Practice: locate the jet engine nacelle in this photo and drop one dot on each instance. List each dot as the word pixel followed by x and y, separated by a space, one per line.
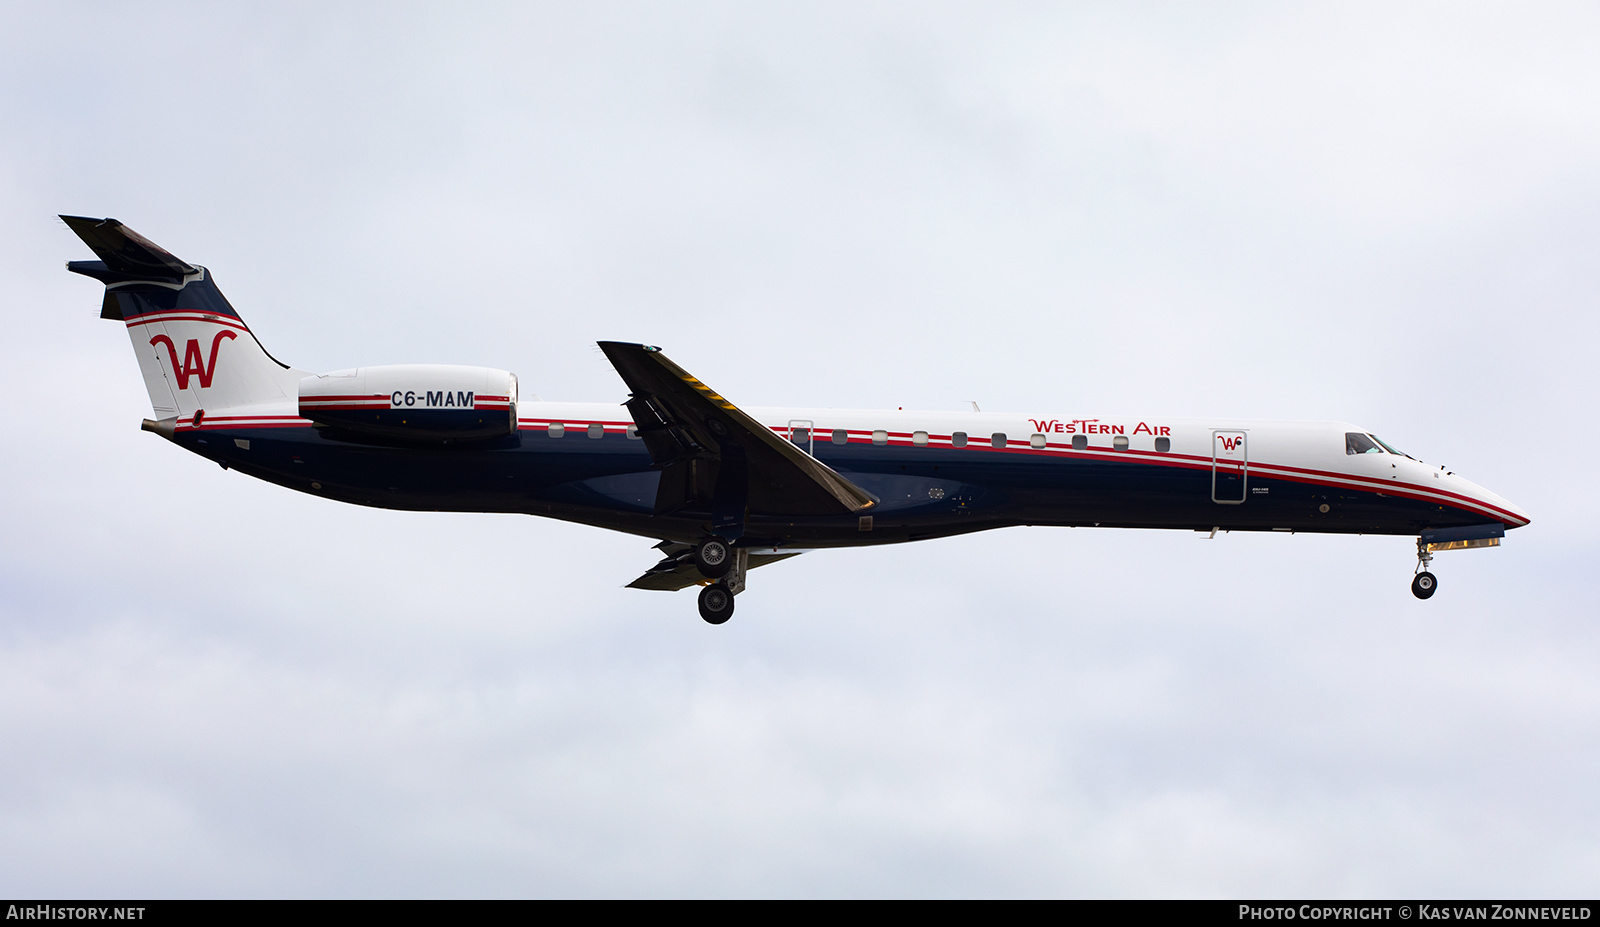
pixel 414 402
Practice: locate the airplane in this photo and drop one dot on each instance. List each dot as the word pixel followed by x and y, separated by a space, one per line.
pixel 724 489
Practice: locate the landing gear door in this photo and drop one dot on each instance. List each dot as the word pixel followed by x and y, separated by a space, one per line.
pixel 1230 466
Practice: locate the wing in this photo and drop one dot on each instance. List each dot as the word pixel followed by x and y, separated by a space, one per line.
pixel 677 571
pixel 701 441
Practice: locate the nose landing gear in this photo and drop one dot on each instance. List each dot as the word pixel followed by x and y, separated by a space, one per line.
pixel 1424 584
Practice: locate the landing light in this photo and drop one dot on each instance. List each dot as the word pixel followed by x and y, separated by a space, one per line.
pixel 1463 538
pixel 1462 545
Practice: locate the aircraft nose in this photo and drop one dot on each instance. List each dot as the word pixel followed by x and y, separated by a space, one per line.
pixel 1511 515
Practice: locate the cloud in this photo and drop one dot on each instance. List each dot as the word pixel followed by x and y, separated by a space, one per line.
pixel 212 686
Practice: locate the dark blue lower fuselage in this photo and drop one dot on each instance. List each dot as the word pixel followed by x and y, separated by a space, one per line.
pixel 925 492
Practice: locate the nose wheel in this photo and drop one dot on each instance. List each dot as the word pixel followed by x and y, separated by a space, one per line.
pixel 1424 584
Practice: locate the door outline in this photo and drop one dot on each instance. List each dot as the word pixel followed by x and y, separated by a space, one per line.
pixel 811 433
pixel 1219 438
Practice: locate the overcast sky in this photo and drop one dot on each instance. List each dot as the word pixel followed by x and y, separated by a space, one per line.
pixel 1388 214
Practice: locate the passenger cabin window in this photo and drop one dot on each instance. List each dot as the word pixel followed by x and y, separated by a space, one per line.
pixel 919 438
pixel 840 436
pixel 1164 445
pixel 1357 443
pixel 998 439
pixel 633 432
pixel 597 430
pixel 1080 442
pixel 880 437
pixel 959 439
pixel 1037 441
pixel 557 429
pixel 1119 443
pixel 802 436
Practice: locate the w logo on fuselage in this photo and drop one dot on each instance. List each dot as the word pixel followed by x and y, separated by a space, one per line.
pixel 1228 443
pixel 193 363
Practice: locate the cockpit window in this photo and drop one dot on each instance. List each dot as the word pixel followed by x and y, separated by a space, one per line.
pixel 1357 443
pixel 1388 448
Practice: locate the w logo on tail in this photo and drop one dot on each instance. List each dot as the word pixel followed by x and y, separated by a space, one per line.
pixel 193 363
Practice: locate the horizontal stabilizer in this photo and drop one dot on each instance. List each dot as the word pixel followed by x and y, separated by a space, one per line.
pixel 125 253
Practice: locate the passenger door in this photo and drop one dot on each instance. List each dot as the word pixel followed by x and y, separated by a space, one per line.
pixel 1230 466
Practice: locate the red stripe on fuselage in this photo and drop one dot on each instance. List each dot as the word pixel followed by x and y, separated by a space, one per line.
pixel 1304 475
pixel 187 317
pixel 1189 461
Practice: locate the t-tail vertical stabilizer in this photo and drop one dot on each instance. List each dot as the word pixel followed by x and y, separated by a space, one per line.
pixel 198 358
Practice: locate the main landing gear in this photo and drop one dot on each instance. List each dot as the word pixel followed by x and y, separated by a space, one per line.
pixel 713 558
pixel 718 560
pixel 716 603
pixel 1424 584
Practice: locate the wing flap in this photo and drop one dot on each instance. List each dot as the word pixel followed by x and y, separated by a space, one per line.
pixel 677 571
